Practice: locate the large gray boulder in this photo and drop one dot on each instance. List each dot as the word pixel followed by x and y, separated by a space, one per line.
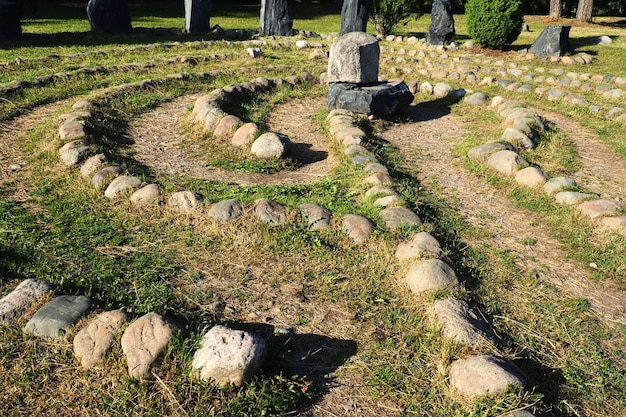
pixel 354 15
pixel 197 16
pixel 109 16
pixel 354 58
pixel 275 20
pixel 441 30
pixel 381 99
pixel 553 41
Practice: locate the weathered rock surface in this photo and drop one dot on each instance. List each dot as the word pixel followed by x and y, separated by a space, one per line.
pixel 480 375
pixel 477 99
pixel 227 126
pixel 481 153
pixel 553 41
pixel 146 195
pixel 244 136
pixel 275 19
pixel 144 340
pixel 97 338
pixel 54 319
pixel 462 323
pixel 380 99
pixel 354 15
pixel 197 16
pixel 379 178
pixel 357 227
pixel 75 152
pixel 122 185
pixel 430 275
pixel 317 217
pixel 557 184
pixel 598 208
pixel 185 202
pixel 92 165
pixel 228 356
pixel 572 197
pixel 111 16
pixel 394 217
pixel 270 146
pixel 354 58
pixel 531 177
pixel 226 210
pixel 506 162
pixel 441 30
pixel 102 178
pixel 422 244
pixel 270 212
pixel 14 304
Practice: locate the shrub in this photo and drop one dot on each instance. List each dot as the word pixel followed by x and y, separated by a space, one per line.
pixel 494 23
pixel 385 14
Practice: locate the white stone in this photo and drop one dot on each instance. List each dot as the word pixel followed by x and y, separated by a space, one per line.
pixel 14 304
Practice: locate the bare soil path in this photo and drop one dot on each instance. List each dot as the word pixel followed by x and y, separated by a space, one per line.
pixel 425 147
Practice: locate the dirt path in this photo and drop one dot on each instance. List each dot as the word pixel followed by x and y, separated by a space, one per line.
pixel 425 148
pixel 158 134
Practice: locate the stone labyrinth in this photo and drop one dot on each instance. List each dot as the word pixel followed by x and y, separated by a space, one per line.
pixel 162 140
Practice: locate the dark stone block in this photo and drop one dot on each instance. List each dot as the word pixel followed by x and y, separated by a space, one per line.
pixel 10 25
pixel 197 16
pixel 441 29
pixel 109 16
pixel 553 41
pixel 354 15
pixel 56 317
pixel 275 18
pixel 381 99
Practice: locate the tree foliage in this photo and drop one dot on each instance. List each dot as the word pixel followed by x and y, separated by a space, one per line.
pixel 386 14
pixel 494 23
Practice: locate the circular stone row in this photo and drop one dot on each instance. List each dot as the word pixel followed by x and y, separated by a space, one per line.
pixel 501 156
pixel 225 357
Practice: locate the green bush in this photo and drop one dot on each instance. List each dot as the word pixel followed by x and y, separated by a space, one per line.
pixel 386 14
pixel 494 23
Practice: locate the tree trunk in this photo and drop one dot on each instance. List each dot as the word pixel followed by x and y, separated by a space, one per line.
pixel 584 10
pixel 555 9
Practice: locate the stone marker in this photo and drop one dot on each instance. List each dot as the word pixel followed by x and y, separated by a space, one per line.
pixel 318 218
pixel 430 275
pixel 553 41
pixel 228 356
pixel 14 304
pixel 144 340
pixel 357 227
pixel 394 217
pixel 354 15
pixel 10 25
pixel 381 99
pixel 354 58
pixel 422 243
pixel 109 16
pixel 54 319
pixel 184 202
pixel 462 323
pixel 441 30
pixel 226 210
pixel 275 20
pixel 122 185
pixel 94 340
pixel 197 16
pixel 270 212
pixel 480 375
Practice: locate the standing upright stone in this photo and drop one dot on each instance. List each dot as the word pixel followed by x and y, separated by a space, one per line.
pixel 553 41
pixel 354 58
pixel 441 30
pixel 10 25
pixel 354 15
pixel 197 16
pixel 275 18
pixel 110 16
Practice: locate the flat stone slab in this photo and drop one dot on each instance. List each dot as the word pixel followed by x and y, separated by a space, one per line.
pixel 598 208
pixel 394 217
pixel 228 356
pixel 572 197
pixel 422 244
pixel 357 227
pixel 317 217
pixel 270 212
pixel 121 185
pixel 185 202
pixel 226 210
pixel 381 99
pixel 54 319
pixel 481 375
pixel 506 162
pixel 144 340
pixel 462 323
pixel 151 193
pixel 97 338
pixel 430 275
pixel 14 304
